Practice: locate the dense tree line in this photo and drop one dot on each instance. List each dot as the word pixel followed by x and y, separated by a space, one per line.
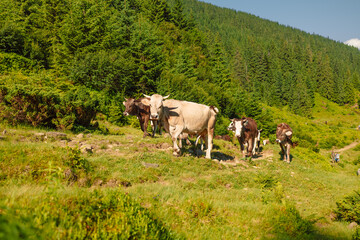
pixel 123 48
pixel 279 64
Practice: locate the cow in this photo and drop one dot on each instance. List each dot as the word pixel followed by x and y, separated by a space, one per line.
pixel 182 116
pixel 141 109
pixel 245 131
pixel 283 137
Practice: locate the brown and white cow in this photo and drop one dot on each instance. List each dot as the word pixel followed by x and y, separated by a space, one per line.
pixel 245 130
pixel 141 109
pixel 283 137
pixel 182 116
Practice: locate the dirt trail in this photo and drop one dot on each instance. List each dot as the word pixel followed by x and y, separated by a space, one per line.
pixel 352 145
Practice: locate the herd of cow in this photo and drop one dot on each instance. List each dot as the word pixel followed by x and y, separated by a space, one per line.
pixel 183 118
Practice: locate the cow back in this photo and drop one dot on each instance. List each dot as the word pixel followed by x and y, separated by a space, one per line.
pixel 251 131
pixel 192 116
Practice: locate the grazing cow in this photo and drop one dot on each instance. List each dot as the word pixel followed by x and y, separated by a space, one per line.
pixel 140 108
pixel 245 131
pixel 182 116
pixel 283 137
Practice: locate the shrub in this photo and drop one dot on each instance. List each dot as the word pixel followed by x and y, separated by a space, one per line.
pixel 348 209
pixel 287 221
pixel 44 106
pixel 97 215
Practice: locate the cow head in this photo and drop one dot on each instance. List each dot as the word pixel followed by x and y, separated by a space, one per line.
pixel 129 106
pixel 231 126
pixel 156 105
pixel 237 126
pixel 283 136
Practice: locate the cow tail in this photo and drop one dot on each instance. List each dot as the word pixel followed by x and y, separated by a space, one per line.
pixel 293 144
pixel 215 109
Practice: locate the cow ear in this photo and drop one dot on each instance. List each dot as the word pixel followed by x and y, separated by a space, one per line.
pixel 124 103
pixel 147 95
pixel 166 97
pixel 145 101
pixel 246 122
pixel 288 133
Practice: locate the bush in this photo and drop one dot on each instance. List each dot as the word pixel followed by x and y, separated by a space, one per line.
pixel 348 209
pixel 44 106
pixel 287 221
pixel 107 214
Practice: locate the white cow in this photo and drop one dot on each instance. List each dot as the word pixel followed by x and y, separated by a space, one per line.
pixel 182 116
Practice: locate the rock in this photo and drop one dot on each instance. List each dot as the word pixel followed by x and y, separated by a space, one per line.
pixel 81 135
pixel 150 165
pixel 98 182
pixel 83 182
pixel 86 149
pixel 70 175
pixel 56 135
pixel 40 136
pixel 352 225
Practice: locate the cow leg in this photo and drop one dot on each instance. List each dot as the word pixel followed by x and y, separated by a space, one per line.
pixel 254 147
pixel 180 141
pixel 188 141
pixel 283 151
pixel 210 137
pixel 146 122
pixel 288 152
pixel 175 131
pixel 154 125
pixel 250 148
pixel 242 149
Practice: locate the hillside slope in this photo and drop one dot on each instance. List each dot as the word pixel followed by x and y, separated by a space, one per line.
pixel 177 197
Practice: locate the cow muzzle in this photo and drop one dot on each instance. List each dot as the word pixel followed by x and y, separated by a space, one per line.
pixel 154 117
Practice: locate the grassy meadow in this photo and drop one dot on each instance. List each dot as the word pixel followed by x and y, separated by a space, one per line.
pixel 128 187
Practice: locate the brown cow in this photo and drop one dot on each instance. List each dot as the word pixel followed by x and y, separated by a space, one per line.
pixel 246 131
pixel 141 109
pixel 283 137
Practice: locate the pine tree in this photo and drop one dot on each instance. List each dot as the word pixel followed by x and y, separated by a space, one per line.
pixel 177 15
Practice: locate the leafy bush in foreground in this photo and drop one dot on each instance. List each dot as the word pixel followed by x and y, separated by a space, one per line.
pixel 96 215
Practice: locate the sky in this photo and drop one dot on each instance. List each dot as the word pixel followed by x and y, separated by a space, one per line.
pixel 336 19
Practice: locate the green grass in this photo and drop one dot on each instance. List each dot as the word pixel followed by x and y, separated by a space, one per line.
pixel 145 192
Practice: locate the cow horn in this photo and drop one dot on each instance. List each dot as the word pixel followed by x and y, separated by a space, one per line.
pixel 125 99
pixel 166 96
pixel 147 95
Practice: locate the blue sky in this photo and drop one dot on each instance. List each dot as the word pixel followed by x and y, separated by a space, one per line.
pixel 337 19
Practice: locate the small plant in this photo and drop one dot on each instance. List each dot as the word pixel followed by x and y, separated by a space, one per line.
pixel 76 162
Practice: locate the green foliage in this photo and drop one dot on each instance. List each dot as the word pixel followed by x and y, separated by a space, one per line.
pixel 76 162
pixel 288 221
pixel 348 209
pixel 45 106
pixel 14 229
pixel 97 215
